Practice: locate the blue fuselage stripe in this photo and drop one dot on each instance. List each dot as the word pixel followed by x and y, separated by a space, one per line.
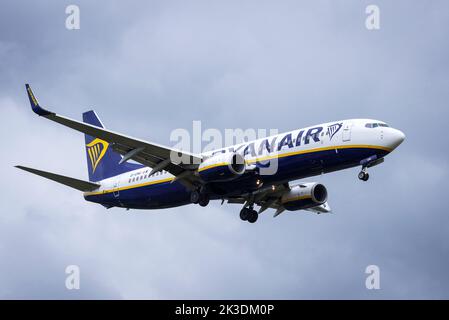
pixel 299 166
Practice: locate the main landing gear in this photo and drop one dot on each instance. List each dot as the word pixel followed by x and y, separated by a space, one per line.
pixel 363 175
pixel 249 214
pixel 199 198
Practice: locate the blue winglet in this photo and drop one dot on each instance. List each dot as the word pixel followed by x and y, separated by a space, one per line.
pixel 34 104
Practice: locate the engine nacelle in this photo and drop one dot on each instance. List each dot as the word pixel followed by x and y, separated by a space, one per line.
pixel 222 167
pixel 304 196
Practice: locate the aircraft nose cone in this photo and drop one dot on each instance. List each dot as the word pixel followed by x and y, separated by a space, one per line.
pixel 397 137
pixel 400 136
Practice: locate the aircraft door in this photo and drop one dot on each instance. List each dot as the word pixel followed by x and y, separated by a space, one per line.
pixel 346 136
pixel 116 188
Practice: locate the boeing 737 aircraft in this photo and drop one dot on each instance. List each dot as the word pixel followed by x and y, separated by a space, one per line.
pixel 161 177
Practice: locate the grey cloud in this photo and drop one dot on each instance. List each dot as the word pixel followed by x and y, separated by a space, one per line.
pixel 148 68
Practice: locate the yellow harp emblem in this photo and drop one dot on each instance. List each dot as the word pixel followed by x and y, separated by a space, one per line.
pixel 96 150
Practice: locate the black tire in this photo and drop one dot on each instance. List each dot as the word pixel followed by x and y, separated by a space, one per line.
pixel 253 216
pixel 194 197
pixel 362 175
pixel 244 214
pixel 204 200
pixel 366 177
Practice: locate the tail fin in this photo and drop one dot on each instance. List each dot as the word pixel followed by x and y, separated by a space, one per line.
pixel 102 161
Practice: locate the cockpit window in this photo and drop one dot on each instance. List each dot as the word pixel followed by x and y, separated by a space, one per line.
pixel 375 125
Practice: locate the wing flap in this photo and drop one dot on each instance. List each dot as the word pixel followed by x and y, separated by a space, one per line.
pixel 77 184
pixel 323 208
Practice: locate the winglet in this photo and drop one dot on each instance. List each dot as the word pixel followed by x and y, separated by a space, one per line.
pixel 34 104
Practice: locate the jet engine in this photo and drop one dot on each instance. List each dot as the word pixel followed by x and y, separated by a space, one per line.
pixel 304 196
pixel 222 167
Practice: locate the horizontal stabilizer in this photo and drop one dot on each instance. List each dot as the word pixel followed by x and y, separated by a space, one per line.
pixel 80 185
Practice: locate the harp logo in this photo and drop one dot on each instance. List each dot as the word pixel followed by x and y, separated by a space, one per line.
pixel 96 150
pixel 333 129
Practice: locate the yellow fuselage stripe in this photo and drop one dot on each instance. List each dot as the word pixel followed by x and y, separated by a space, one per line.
pixel 213 166
pixel 363 146
pixel 129 187
pixel 288 154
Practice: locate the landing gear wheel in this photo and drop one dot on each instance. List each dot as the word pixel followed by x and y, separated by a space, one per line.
pixel 253 216
pixel 363 175
pixel 244 214
pixel 194 197
pixel 204 200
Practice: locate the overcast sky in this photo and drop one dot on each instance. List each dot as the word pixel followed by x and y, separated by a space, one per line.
pixel 150 67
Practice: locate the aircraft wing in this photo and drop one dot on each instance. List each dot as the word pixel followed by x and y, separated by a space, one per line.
pixel 149 154
pixel 77 184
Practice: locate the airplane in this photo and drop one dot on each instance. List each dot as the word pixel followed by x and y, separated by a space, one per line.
pixel 131 173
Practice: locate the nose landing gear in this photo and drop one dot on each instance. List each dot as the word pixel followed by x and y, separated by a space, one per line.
pixel 363 175
pixel 368 163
